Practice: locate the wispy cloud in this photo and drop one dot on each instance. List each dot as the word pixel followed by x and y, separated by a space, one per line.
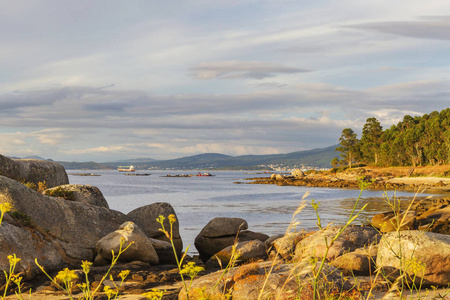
pixel 241 69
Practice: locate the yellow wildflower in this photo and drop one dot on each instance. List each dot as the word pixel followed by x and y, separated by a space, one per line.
pixel 66 275
pixel 191 270
pixel 172 218
pixel 86 266
pixel 154 294
pixel 5 207
pixel 13 260
pixel 123 274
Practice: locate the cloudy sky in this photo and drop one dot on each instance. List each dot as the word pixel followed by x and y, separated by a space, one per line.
pixel 104 80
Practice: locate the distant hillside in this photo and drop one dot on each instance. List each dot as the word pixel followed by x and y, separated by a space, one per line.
pixel 87 165
pixel 317 158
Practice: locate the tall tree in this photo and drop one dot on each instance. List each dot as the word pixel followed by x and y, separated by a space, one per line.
pixel 349 145
pixel 371 140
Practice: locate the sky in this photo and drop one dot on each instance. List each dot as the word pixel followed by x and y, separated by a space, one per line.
pixel 95 80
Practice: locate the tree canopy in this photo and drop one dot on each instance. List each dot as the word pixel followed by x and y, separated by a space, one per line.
pixel 414 141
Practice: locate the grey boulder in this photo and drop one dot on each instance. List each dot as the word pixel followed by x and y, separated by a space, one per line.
pixel 33 170
pixel 146 216
pixel 128 235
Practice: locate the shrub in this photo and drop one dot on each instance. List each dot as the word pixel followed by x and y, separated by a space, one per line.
pixel 61 193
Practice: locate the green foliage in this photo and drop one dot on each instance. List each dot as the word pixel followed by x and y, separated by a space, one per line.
pixel 334 162
pixel 60 192
pixel 415 141
pixel 40 187
pixel 349 146
pixel 22 218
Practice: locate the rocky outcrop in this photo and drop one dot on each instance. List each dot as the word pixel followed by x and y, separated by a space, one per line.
pixel 422 255
pixel 146 216
pixel 74 227
pixel 247 282
pixel 220 233
pixel 81 193
pixel 352 238
pixel 33 170
pixel 128 235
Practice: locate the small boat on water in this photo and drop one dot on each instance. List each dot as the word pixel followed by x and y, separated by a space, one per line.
pixel 204 174
pixel 126 169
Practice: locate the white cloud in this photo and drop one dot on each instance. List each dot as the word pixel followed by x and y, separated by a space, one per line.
pixel 241 69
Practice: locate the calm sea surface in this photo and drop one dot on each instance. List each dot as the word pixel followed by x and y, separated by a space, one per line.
pixel 197 200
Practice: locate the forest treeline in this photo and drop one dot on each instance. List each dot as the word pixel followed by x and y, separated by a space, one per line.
pixel 415 141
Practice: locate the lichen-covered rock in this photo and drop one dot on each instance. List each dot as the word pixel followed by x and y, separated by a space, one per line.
pixel 129 234
pixel 81 193
pixel 248 282
pixel 145 217
pixel 352 238
pixel 424 255
pixel 33 170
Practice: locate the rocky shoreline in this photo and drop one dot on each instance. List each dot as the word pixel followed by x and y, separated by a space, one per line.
pixel 350 180
pixel 63 225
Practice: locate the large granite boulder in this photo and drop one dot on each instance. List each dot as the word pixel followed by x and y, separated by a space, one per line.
pixel 423 255
pixel 220 233
pixel 129 234
pixel 145 217
pixel 28 244
pixel 80 193
pixel 352 238
pixel 74 227
pixel 33 170
pixel 248 282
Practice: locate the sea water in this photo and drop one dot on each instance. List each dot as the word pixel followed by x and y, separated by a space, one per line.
pixel 267 208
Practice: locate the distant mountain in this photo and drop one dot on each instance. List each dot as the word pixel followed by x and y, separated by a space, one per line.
pixel 33 157
pixel 87 165
pixel 317 158
pixel 132 161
